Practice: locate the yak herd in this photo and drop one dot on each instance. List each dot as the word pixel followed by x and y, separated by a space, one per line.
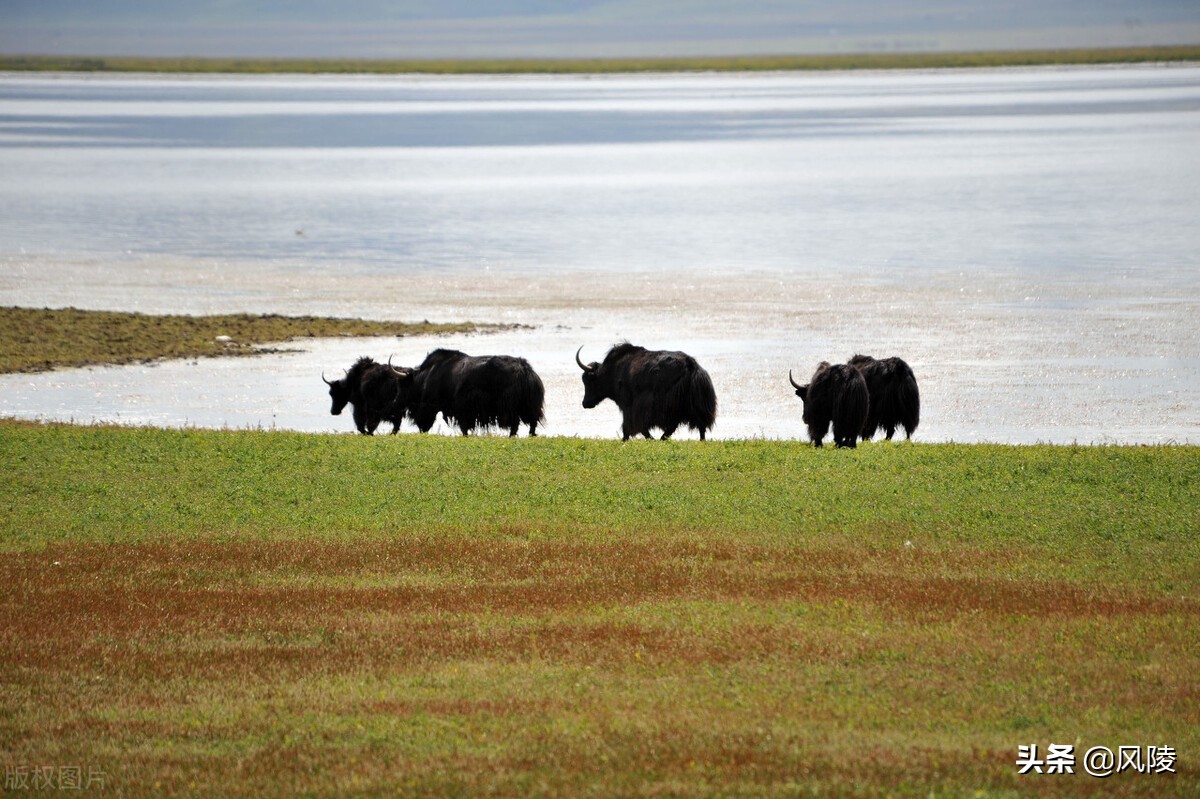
pixel 654 389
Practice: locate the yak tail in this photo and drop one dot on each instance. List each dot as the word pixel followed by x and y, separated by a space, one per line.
pixel 908 402
pixel 699 401
pixel 526 397
pixel 855 405
pixel 534 396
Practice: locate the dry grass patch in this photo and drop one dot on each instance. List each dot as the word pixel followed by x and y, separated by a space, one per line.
pixel 39 339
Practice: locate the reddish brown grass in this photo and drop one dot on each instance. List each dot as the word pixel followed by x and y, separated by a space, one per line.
pixel 105 598
pixel 215 582
pixel 88 633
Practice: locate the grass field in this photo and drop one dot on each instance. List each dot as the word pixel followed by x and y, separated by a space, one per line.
pixel 998 58
pixel 203 613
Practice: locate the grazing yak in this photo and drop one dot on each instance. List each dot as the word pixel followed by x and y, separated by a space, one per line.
pixel 374 391
pixel 895 400
pixel 652 389
pixel 474 392
pixel 836 394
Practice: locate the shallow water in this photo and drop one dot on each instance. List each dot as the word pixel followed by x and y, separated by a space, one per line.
pixel 1026 239
pixel 1007 361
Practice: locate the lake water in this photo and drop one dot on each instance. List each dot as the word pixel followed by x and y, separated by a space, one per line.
pixel 1028 239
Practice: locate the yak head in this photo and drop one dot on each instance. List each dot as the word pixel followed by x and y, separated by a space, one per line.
pixel 594 389
pixel 339 392
pixel 801 391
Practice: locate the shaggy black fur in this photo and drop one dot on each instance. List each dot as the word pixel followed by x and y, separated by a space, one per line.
pixel 375 392
pixel 836 394
pixel 476 392
pixel 653 389
pixel 895 400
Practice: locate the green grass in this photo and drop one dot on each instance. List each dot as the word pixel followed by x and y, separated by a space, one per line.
pixel 583 65
pixel 38 339
pixel 204 613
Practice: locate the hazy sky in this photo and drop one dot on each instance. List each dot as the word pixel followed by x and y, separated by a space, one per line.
pixel 593 28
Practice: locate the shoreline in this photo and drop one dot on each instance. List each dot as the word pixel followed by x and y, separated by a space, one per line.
pixel 579 66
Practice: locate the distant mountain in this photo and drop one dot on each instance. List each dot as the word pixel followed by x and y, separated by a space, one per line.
pixel 594 28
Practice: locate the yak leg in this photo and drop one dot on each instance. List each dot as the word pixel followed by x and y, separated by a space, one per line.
pixel 627 429
pixel 817 431
pixel 533 429
pixel 890 429
pixel 669 431
pixel 848 438
pixel 424 419
pixel 365 423
pixel 465 421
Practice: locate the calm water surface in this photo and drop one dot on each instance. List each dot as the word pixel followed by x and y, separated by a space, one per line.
pixel 1026 239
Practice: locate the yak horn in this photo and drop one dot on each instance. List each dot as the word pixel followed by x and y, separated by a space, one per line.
pixel 581 366
pixel 400 372
pixel 326 381
pixel 792 381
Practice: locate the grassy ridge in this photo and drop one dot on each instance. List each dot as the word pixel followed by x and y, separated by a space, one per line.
pixel 38 339
pixel 273 614
pixel 585 65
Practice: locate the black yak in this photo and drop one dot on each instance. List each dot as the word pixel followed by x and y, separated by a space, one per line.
pixel 836 394
pixel 895 400
pixel 475 392
pixel 374 390
pixel 652 389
